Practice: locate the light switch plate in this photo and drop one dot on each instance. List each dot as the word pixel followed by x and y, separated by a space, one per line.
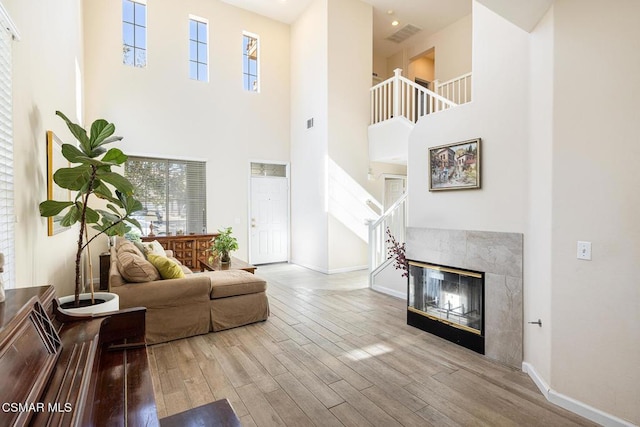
pixel 584 250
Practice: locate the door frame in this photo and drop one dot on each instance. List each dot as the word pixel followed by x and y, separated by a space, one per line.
pixel 384 185
pixel 287 166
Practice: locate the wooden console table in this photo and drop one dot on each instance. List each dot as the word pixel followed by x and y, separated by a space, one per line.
pixel 235 264
pixel 187 248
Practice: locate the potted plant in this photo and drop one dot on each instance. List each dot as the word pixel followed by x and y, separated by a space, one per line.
pixel 89 175
pixel 224 243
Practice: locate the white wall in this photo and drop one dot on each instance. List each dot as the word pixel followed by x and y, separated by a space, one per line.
pixel 350 50
pixel 498 115
pixel 452 47
pixel 537 242
pixel 47 76
pixel 546 173
pixel 596 305
pixel 160 111
pixel 309 147
pixel 330 79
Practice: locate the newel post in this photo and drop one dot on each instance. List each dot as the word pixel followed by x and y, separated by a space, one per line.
pixel 396 92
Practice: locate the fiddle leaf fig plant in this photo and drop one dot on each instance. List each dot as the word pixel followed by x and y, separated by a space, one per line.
pixel 91 175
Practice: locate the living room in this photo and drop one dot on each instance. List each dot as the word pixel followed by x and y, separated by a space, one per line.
pixel 545 139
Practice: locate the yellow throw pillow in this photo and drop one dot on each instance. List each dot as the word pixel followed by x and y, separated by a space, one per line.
pixel 167 268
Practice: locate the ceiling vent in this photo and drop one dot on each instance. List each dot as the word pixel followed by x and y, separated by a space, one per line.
pixel 404 33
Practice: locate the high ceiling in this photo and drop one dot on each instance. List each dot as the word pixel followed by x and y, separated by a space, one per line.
pixel 430 15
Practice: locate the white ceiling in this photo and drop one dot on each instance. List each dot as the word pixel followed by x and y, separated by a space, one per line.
pixel 430 15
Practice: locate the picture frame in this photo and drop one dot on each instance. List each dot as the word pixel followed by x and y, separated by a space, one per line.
pixel 455 166
pixel 55 161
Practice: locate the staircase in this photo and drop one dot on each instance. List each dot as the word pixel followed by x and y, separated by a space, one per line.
pixel 396 105
pixel 383 276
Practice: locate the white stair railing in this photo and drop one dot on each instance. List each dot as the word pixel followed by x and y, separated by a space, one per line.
pixel 399 96
pixel 394 219
pixel 457 90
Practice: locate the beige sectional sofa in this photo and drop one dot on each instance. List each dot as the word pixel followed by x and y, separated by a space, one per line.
pixel 195 304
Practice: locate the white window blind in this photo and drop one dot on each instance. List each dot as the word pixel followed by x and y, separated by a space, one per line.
pixel 172 192
pixel 7 215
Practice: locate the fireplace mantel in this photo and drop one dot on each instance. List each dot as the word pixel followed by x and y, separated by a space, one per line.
pixel 500 257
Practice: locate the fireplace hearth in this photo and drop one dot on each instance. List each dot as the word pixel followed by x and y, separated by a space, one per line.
pixel 447 302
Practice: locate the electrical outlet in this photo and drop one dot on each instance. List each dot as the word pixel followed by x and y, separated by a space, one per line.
pixel 584 250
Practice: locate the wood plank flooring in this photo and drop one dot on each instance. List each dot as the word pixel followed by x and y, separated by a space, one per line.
pixel 335 353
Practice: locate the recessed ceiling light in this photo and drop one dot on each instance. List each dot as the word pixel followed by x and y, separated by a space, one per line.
pixel 390 12
pixel 395 23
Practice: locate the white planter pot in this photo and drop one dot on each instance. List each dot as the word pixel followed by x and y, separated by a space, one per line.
pixel 112 303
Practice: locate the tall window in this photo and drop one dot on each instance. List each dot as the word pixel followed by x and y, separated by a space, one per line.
pixel 250 62
pixel 198 52
pixel 172 192
pixel 7 214
pixel 134 33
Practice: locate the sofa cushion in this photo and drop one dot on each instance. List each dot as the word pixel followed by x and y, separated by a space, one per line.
pixel 134 268
pixel 124 245
pixel 167 268
pixel 230 283
pixel 154 248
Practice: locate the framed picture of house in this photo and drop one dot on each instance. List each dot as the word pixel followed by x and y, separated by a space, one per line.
pixel 55 161
pixel 455 166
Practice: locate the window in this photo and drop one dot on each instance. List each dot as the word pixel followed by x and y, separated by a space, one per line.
pixel 198 53
pixel 172 192
pixel 134 33
pixel 250 62
pixel 7 214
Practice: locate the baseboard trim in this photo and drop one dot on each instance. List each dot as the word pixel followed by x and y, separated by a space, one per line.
pixel 392 292
pixel 571 404
pixel 348 269
pixel 325 271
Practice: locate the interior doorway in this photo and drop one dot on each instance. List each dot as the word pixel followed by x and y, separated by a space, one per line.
pixel 394 187
pixel 423 67
pixel 269 213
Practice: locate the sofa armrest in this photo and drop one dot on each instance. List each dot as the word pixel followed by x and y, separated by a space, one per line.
pixel 165 293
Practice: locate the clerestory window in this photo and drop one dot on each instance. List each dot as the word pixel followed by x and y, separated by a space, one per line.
pixel 134 33
pixel 250 62
pixel 198 49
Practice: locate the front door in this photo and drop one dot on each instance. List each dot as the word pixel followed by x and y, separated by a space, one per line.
pixel 269 222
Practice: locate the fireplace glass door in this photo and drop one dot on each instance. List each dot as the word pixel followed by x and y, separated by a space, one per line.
pixel 451 296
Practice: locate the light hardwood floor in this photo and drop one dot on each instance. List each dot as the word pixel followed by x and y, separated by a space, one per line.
pixel 335 353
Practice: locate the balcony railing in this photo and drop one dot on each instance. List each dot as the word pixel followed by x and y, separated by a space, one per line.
pixel 400 97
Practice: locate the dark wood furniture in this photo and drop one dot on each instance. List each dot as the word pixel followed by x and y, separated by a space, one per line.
pixel 105 264
pixel 72 370
pixel 186 248
pixel 235 264
pixel 214 414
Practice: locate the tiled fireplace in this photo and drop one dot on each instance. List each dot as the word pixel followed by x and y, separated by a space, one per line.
pixel 444 300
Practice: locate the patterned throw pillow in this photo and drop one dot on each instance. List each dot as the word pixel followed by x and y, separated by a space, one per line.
pixel 167 268
pixel 135 269
pixel 154 248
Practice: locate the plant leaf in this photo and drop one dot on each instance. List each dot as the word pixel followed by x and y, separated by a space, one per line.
pixel 50 208
pixel 91 216
pixel 73 178
pixel 72 153
pixel 100 130
pixel 77 131
pixel 121 183
pixel 72 216
pixel 115 156
pixel 133 221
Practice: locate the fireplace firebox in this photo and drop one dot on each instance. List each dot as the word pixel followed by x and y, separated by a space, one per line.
pixel 447 302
